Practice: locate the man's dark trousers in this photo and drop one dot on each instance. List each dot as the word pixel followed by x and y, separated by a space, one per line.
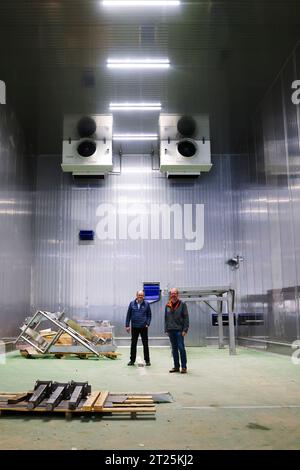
pixel 135 332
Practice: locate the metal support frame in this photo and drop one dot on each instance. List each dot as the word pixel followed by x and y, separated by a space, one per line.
pixel 50 394
pixel 80 391
pixel 35 321
pixel 220 323
pixel 77 336
pixel 41 390
pixel 230 303
pixel 220 295
pixel 59 392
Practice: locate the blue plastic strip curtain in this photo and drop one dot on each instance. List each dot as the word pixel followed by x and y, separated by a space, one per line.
pixel 152 291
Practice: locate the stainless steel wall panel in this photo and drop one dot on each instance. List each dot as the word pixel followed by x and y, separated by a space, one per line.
pixel 98 279
pixel 266 213
pixel 15 224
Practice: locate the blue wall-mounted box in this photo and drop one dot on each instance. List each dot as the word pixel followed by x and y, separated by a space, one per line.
pixel 152 291
pixel 86 235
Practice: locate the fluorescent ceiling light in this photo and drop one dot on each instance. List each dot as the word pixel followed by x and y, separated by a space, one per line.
pixel 135 137
pixel 138 63
pixel 135 106
pixel 140 3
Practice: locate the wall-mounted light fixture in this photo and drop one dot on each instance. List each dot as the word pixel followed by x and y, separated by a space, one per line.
pixel 234 262
pixel 135 106
pixel 138 63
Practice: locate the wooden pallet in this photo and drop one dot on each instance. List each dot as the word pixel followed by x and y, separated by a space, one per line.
pixel 58 355
pixel 102 402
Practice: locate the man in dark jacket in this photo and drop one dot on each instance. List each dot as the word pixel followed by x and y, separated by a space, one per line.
pixel 176 327
pixel 139 315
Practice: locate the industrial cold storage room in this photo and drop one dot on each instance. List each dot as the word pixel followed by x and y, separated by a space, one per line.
pixel 150 158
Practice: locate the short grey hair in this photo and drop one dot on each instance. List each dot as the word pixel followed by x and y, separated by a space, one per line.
pixel 174 288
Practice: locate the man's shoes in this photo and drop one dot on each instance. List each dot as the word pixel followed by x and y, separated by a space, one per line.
pixel 183 371
pixel 130 363
pixel 175 369
pixel 148 363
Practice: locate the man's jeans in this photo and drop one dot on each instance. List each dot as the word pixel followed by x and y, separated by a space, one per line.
pixel 177 343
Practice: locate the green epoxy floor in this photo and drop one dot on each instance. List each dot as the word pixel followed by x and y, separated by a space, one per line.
pixel 247 401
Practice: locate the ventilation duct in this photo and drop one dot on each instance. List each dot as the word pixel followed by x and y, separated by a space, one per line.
pixel 184 144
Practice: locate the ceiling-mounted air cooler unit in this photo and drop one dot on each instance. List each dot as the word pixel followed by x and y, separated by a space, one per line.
pixel 184 144
pixel 87 144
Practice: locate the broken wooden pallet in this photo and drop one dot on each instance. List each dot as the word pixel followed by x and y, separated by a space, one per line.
pixel 102 402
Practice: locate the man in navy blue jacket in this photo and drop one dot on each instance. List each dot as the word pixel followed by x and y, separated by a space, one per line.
pixel 139 315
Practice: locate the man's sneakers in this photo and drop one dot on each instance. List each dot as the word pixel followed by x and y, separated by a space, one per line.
pixel 183 370
pixel 148 363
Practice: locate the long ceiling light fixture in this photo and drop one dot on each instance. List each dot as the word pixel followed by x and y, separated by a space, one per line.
pixel 138 63
pixel 141 3
pixel 141 137
pixel 135 106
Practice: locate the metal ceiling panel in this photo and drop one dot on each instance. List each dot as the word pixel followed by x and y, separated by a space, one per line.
pixel 223 55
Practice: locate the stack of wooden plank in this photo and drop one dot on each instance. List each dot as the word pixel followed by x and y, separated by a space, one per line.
pixel 11 398
pixel 63 339
pixel 106 402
